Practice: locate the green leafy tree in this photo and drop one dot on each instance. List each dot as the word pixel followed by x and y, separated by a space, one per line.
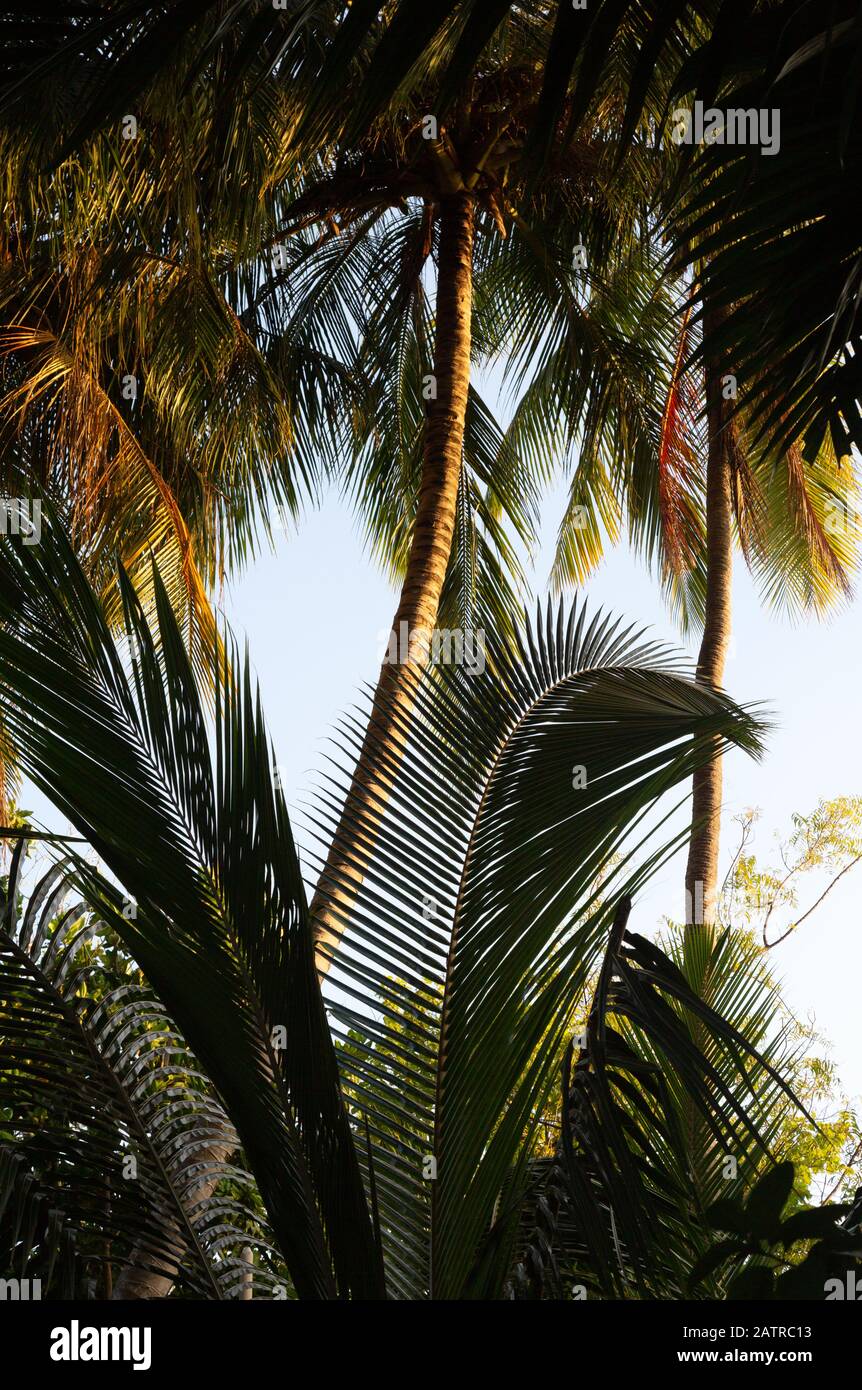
pixel 826 843
pixel 812 1253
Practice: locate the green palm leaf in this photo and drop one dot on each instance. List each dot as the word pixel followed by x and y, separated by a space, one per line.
pixel 199 838
pixel 478 919
pixel 104 1108
pixel 663 1090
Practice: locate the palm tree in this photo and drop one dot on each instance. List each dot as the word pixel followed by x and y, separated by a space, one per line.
pixel 111 59
pixel 667 496
pixel 508 250
pixel 467 195
pixel 353 840
pixel 488 851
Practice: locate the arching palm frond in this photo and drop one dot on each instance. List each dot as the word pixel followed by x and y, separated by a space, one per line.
pixel 109 1119
pixel 199 838
pixel 478 918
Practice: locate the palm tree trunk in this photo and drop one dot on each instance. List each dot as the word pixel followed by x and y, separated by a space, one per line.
pixel 419 604
pixel 701 875
pixel 140 1277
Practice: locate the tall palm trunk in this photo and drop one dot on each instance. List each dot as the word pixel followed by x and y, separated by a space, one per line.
pixel 419 604
pixel 701 875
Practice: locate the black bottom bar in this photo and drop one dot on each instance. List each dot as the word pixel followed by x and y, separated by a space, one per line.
pixel 91 1339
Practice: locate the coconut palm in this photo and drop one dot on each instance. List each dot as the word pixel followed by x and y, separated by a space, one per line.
pixel 507 251
pixel 354 232
pixel 488 850
pixel 702 487
pixel 129 389
pixel 109 59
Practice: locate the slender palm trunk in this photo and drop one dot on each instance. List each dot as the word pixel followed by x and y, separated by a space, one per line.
pixel 419 604
pixel 701 875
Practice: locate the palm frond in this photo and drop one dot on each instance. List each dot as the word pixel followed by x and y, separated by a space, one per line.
pixel 667 1102
pixel 199 838
pixel 478 917
pixel 105 1108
